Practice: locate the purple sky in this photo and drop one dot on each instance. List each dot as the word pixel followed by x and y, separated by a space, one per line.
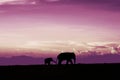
pixel 58 25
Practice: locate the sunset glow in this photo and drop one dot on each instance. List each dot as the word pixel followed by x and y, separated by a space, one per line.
pixel 56 26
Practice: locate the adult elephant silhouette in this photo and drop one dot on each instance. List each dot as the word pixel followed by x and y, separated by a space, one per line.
pixel 69 57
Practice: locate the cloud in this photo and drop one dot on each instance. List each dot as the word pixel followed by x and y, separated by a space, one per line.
pixel 91 1
pixel 102 2
pixel 113 5
pixel 100 47
pixel 2 11
pixel 14 2
pixel 63 1
pixel 52 0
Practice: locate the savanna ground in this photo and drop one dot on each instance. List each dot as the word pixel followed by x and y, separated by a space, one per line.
pixel 58 72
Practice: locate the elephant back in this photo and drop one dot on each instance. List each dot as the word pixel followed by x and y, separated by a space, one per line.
pixel 66 55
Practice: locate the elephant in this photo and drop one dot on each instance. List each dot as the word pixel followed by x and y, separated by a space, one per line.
pixel 47 61
pixel 69 57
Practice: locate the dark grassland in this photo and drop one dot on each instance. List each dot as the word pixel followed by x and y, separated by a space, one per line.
pixel 58 72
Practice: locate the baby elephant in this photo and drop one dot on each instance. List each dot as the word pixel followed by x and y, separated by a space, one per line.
pixel 48 61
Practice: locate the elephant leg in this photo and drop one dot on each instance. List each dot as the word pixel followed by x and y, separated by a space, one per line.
pixel 59 62
pixel 67 61
pixel 49 63
pixel 71 61
pixel 45 63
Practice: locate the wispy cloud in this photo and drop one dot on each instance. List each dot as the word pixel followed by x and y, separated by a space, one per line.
pixel 63 1
pixel 15 2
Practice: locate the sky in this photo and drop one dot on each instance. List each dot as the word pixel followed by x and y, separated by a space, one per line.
pixel 54 26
